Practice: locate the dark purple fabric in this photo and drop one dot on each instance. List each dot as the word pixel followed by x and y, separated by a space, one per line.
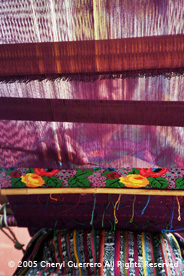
pixel 75 211
pixel 93 111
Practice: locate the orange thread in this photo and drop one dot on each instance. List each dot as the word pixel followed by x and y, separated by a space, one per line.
pixel 53 198
pixel 115 218
pixel 179 214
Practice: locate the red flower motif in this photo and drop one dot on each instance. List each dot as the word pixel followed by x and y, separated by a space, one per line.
pixel 150 172
pixel 15 174
pixel 113 175
pixel 43 172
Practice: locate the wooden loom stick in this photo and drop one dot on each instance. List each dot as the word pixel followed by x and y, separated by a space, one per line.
pixel 74 57
pixel 156 113
pixel 32 191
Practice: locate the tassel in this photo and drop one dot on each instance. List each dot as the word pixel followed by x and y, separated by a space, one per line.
pixel 179 214
pixel 131 220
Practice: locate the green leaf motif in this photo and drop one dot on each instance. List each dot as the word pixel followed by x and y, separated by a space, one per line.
pixel 114 183
pixel 75 182
pixel 52 181
pixel 158 182
pixel 134 171
pixel 80 179
pixel 16 182
pixel 30 170
pixel 180 183
pixel 105 173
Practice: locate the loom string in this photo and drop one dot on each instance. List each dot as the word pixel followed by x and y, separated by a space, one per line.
pixel 91 222
pixel 172 215
pixel 173 230
pixel 136 226
pixel 119 203
pixel 105 211
pixel 146 205
pixel 111 230
pixel 133 206
pixel 38 199
pixel 53 198
pixel 115 218
pixel 47 202
pixel 54 231
pixel 77 222
pixel 113 205
pixel 73 206
pixel 17 244
pixel 146 224
pixel 179 214
pixel 163 233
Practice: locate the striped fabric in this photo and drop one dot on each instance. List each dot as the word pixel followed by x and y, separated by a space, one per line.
pixel 101 253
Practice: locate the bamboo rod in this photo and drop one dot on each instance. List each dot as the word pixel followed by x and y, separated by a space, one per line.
pixel 32 191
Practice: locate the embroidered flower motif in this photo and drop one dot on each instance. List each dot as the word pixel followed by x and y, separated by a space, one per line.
pixel 45 172
pixel 152 172
pixel 32 180
pixel 134 181
pixel 15 174
pixel 12 169
pixel 111 169
pixel 97 168
pixel 113 175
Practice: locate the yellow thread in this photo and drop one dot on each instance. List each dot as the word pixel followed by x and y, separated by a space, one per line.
pixel 143 253
pixel 179 214
pixel 75 249
pixel 115 218
pixel 131 220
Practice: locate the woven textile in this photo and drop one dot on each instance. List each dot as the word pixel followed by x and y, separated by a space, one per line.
pixel 32 144
pixel 97 177
pixel 101 253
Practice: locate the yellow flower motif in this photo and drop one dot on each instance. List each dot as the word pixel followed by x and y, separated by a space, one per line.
pixel 134 181
pixel 32 180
